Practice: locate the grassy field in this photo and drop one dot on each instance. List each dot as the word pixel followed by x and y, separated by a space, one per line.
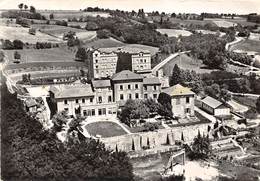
pixel 210 32
pixel 174 32
pixel 81 24
pixel 58 31
pixel 248 101
pixel 247 45
pixel 187 63
pixel 105 129
pixel 65 14
pixel 42 55
pixel 21 33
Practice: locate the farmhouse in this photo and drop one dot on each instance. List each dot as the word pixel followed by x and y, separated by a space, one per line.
pixel 214 107
pixel 182 100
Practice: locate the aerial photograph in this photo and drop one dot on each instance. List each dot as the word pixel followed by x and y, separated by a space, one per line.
pixel 129 90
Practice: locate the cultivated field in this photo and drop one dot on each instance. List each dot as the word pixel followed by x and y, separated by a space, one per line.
pixel 58 31
pixel 174 32
pixel 104 43
pixel 153 50
pixel 21 33
pixel 105 129
pixel 81 24
pixel 222 22
pixel 210 32
pixel 187 63
pixel 42 55
pixel 247 45
pixel 65 14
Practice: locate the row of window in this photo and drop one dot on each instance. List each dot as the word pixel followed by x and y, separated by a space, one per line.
pixel 178 100
pixel 77 101
pixel 154 87
pixel 129 96
pixel 121 87
pixel 106 60
pixel 109 99
pixel 106 66
pixel 154 96
pixel 92 112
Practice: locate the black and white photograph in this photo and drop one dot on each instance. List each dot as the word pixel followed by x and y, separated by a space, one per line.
pixel 130 90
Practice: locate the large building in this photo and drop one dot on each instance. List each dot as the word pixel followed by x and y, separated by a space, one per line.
pixel 182 100
pixel 127 85
pixel 103 62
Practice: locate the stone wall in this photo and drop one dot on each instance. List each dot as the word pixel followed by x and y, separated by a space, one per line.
pixel 136 141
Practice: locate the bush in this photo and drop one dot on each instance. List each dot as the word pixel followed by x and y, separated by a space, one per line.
pixel 103 34
pixel 18 44
pixel 150 127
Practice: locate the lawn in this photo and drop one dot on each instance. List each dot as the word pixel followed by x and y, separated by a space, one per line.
pixel 247 45
pixel 42 55
pixel 174 32
pixel 187 63
pixel 58 31
pixel 226 23
pixel 105 129
pixel 21 33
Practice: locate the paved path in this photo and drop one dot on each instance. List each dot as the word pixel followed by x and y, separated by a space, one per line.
pixel 162 63
pixel 237 40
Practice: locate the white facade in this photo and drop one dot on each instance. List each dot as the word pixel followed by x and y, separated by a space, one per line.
pixel 141 61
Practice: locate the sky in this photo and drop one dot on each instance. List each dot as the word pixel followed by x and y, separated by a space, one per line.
pixel 169 6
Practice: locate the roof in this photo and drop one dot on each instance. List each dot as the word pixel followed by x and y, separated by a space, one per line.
pixel 69 91
pixel 178 90
pixel 126 75
pixel 210 101
pixel 124 49
pixel 101 83
pixel 30 103
pixel 151 80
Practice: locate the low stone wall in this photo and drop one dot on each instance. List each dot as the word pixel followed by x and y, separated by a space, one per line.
pixel 136 141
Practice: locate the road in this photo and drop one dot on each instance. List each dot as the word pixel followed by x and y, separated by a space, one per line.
pixel 169 58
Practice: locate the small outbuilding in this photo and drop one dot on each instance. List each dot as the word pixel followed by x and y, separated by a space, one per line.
pixel 214 107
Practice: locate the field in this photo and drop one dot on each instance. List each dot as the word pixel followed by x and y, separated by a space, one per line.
pixel 58 31
pixel 105 129
pixel 187 63
pixel 247 45
pixel 65 14
pixel 210 32
pixel 81 24
pixel 21 33
pixel 174 32
pixel 153 50
pixel 42 55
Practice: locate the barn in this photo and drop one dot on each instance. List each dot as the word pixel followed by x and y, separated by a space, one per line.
pixel 214 107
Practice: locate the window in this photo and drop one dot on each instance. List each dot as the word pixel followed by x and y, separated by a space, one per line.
pixel 136 86
pixel 83 100
pixel 121 87
pixel 99 111
pixel 66 109
pixel 96 61
pixel 121 97
pixel 154 87
pixel 145 87
pixel 85 113
pixel 187 110
pixel 129 86
pixel 104 111
pixel 129 96
pixel 65 101
pixel 141 60
pixel 96 55
pixel 109 98
pixel 77 101
pixel 145 96
pixel 91 100
pixel 93 112
pixel 100 99
pixel 96 66
pixel 178 101
pixel 136 95
pixel 155 96
pixel 187 100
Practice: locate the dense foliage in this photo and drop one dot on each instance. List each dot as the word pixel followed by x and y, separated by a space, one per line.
pixel 31 153
pixel 81 54
pixel 8 45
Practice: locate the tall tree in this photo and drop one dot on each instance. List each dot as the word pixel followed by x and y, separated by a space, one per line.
pixel 176 75
pixel 32 9
pixel 165 108
pixel 20 6
pixel 25 7
pixel 81 54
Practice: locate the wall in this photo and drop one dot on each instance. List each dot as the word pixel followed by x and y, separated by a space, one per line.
pixel 150 91
pixel 179 109
pixel 222 111
pixel 156 138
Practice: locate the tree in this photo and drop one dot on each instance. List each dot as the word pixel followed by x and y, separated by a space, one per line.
pixel 25 7
pixel 32 9
pixel 176 75
pixel 51 16
pixel 201 147
pixel 20 6
pixel 165 108
pixel 258 105
pixel 59 121
pixel 81 54
pixel 17 55
pixel 18 44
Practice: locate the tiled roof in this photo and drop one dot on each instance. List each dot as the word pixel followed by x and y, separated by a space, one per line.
pixel 151 80
pixel 67 91
pixel 126 75
pixel 101 83
pixel 214 103
pixel 177 90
